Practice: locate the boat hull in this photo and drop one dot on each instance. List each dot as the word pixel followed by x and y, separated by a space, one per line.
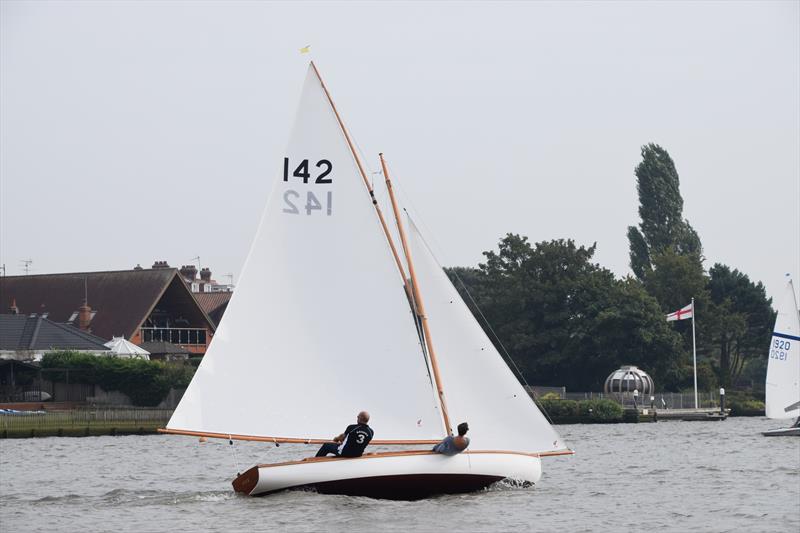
pixel 392 475
pixel 784 432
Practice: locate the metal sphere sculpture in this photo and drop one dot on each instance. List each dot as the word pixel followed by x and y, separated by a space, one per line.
pixel 628 379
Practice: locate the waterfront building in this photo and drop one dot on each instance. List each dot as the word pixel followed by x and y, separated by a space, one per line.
pixel 142 305
pixel 28 338
pixel 200 282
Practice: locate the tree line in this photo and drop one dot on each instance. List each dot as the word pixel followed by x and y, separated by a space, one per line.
pixel 567 321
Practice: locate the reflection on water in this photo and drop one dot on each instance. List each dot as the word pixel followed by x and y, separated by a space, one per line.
pixel 669 476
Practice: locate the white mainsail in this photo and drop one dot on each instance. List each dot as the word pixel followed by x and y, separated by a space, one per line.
pixel 783 366
pixel 319 327
pixel 479 386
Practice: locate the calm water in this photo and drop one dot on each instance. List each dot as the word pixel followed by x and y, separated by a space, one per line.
pixel 669 476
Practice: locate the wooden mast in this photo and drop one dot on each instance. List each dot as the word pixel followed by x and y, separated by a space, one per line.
pixel 364 176
pixel 417 298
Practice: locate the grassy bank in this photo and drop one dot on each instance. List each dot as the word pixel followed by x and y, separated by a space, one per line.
pixel 84 422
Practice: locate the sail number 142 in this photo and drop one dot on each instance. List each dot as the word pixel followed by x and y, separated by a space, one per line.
pixel 313 203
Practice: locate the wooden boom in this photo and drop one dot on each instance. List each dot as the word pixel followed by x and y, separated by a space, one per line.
pixel 283 440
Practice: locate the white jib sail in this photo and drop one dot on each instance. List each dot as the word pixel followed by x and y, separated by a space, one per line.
pixel 479 387
pixel 783 365
pixel 319 327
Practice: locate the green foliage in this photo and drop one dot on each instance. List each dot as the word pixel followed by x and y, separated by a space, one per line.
pixel 754 374
pixel 666 255
pixel 550 396
pixel 706 377
pixel 676 279
pixel 146 383
pixel 559 408
pixel 600 410
pixel 662 227
pixel 565 320
pixel 584 411
pixel 740 321
pixel 744 404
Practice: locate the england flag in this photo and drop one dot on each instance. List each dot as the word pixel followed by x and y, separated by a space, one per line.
pixel 682 314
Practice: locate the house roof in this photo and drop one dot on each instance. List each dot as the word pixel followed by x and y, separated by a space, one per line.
pixel 122 299
pixel 163 348
pixel 213 303
pixel 20 332
pixel 18 365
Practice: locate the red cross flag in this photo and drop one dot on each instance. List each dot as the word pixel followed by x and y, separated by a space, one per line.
pixel 682 314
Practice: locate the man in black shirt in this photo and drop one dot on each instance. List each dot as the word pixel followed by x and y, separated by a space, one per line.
pixel 352 442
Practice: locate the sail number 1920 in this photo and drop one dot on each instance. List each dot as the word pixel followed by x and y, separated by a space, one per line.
pixel 779 349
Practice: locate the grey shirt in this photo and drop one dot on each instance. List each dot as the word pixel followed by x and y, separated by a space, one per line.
pixel 448 446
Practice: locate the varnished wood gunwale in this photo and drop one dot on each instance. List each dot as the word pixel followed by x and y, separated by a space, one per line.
pixel 286 440
pixel 406 453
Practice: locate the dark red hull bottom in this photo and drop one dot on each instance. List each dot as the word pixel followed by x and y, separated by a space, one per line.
pixel 406 487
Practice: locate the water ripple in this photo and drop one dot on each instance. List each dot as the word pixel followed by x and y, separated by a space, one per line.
pixel 669 476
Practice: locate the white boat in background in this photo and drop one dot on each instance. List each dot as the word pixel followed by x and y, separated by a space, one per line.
pixel 783 366
pixel 325 322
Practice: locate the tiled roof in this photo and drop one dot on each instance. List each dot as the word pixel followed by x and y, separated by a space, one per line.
pixel 20 332
pixel 122 299
pixel 213 303
pixel 163 348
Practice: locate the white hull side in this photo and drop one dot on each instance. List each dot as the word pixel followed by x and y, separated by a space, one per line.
pixel 783 432
pixel 401 476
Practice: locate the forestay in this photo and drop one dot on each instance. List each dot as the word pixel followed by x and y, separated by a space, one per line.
pixel 479 387
pixel 783 367
pixel 319 327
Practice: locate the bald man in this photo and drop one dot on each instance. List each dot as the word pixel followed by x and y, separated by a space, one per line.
pixel 352 442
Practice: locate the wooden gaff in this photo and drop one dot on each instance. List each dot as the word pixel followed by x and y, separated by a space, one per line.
pixel 417 298
pixel 364 177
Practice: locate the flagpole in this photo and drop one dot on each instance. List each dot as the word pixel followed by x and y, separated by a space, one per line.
pixel 694 355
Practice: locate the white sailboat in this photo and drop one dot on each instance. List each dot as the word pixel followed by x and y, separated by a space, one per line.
pixel 325 323
pixel 783 366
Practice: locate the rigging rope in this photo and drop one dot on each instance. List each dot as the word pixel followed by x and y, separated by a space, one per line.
pixel 235 459
pixel 504 353
pixel 519 373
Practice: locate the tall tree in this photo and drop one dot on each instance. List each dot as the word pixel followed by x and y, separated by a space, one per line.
pixel 564 319
pixel 662 225
pixel 741 319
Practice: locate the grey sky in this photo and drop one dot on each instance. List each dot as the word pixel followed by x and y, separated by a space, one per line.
pixel 131 132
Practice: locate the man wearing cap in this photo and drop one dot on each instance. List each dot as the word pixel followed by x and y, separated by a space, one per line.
pixel 451 445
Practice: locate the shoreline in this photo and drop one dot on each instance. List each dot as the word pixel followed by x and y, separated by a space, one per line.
pixel 133 421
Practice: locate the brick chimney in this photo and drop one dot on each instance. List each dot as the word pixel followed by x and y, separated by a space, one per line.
pixel 160 264
pixel 14 309
pixel 84 316
pixel 205 274
pixel 138 267
pixel 189 273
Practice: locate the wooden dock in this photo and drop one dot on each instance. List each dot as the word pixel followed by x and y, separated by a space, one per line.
pixel 709 414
